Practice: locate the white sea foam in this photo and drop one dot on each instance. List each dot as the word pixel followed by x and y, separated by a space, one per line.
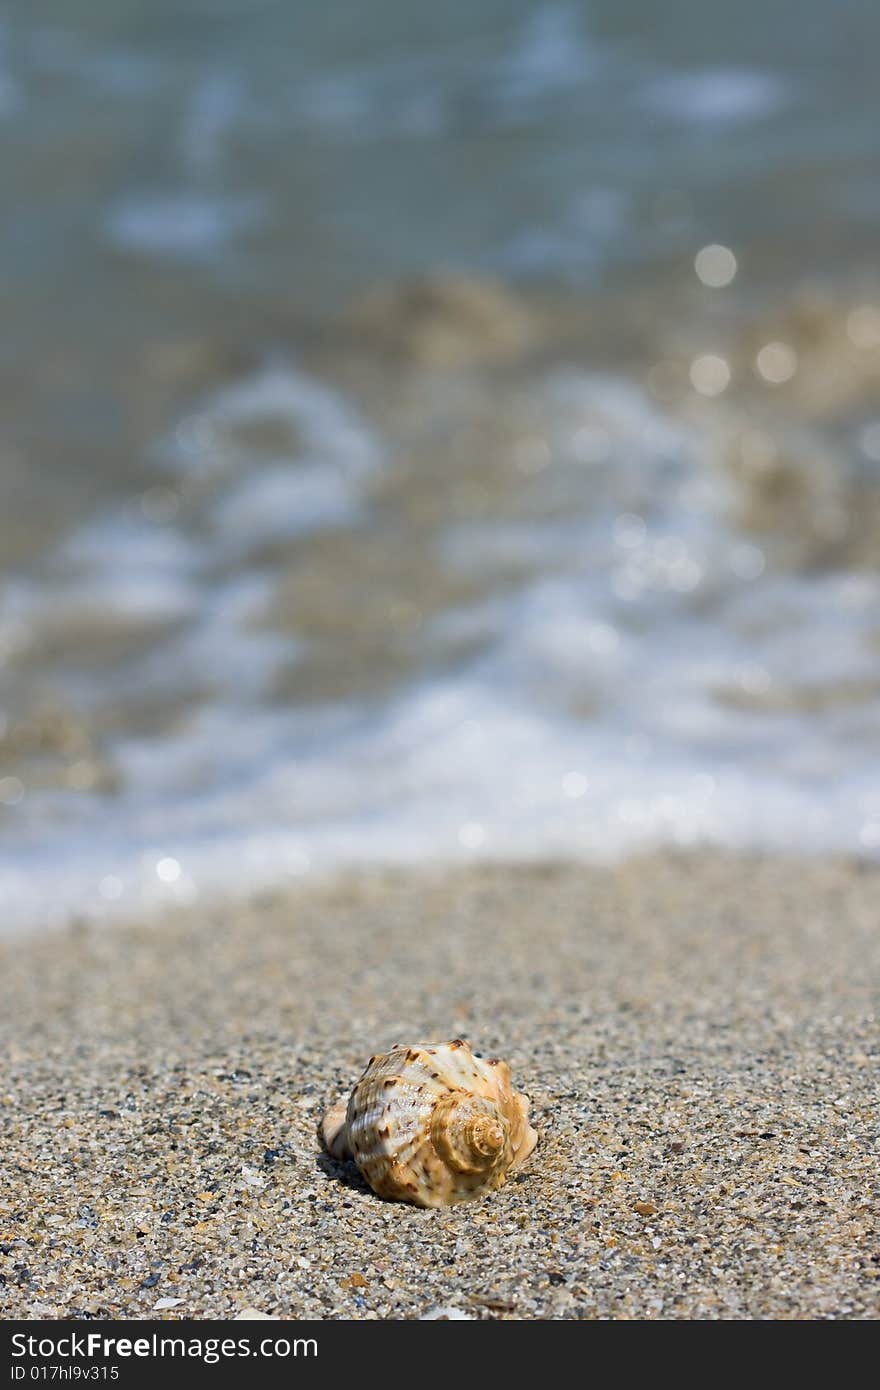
pixel 458 757
pixel 652 682
pixel 716 97
pixel 282 503
pixel 311 419
pixel 182 223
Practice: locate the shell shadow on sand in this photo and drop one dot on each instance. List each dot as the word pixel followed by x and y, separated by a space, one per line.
pixel 341 1171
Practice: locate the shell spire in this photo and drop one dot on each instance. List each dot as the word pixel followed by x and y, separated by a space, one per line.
pixel 468 1132
pixel 432 1124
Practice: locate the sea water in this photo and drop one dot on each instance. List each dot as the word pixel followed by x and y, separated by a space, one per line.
pixel 575 555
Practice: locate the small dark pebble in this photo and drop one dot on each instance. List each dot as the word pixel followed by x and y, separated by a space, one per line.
pixel 151 1281
pixel 555 1277
pixel 270 1155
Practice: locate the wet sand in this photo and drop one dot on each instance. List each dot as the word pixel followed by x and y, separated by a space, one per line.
pixel 699 1037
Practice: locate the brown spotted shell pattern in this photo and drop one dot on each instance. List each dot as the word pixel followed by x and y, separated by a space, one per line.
pixel 432 1124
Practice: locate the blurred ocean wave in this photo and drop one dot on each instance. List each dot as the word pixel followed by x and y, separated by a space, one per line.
pixel 316 558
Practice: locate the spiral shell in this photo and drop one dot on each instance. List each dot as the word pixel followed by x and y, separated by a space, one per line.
pixel 432 1124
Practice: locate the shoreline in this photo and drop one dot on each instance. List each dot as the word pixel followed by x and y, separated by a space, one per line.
pixel 698 1035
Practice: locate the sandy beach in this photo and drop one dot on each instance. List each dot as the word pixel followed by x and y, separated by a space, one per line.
pixel 698 1036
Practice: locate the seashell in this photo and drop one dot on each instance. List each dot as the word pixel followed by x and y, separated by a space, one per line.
pixel 432 1124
